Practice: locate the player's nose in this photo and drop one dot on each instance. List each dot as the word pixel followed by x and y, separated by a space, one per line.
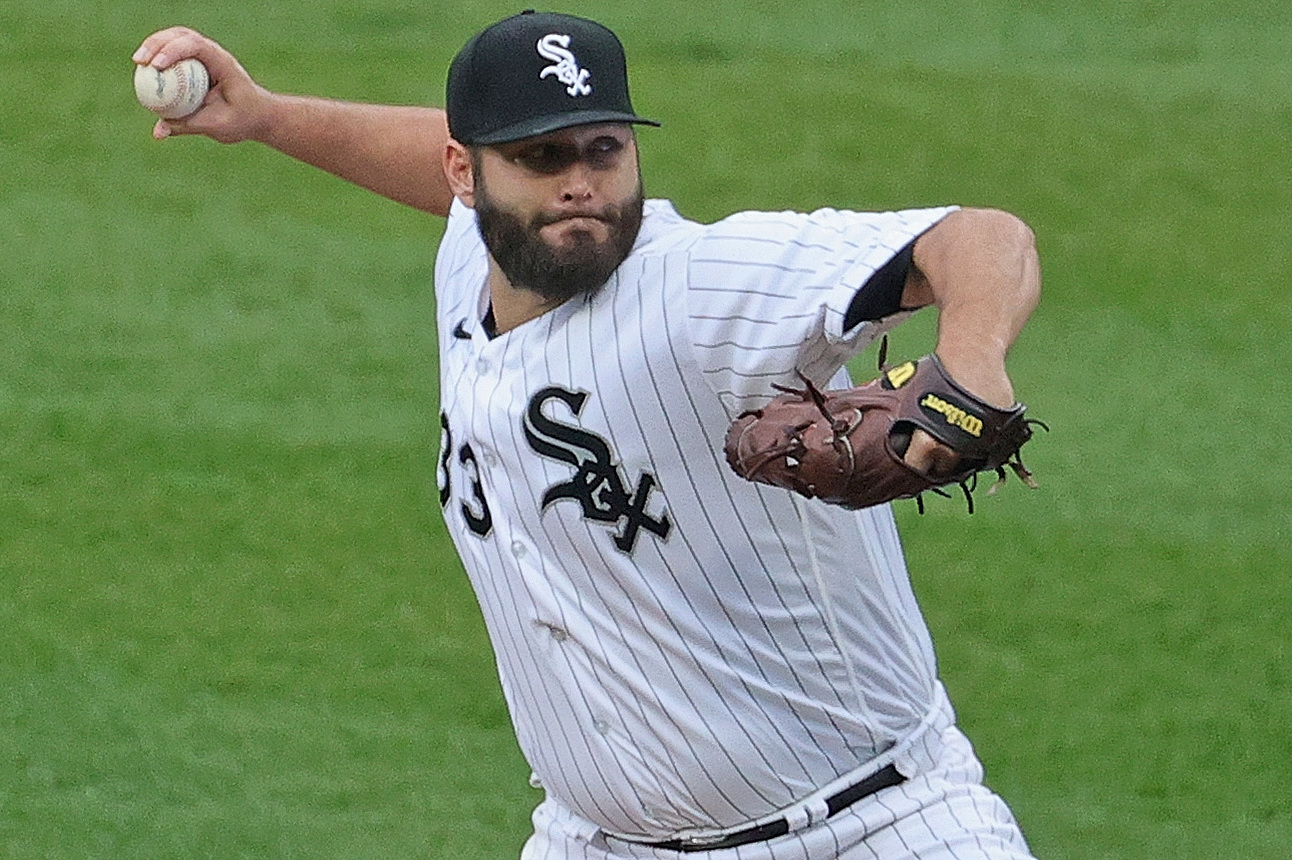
pixel 577 183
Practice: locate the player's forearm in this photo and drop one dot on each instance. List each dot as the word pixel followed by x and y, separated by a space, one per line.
pixel 396 152
pixel 980 269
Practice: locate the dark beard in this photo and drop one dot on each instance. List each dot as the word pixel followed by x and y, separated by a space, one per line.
pixel 557 274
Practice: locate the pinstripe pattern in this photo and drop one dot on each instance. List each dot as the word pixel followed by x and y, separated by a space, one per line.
pixel 944 813
pixel 681 651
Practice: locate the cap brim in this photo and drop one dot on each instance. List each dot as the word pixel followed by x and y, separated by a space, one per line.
pixel 542 125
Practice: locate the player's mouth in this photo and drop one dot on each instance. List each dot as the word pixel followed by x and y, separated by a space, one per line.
pixel 564 217
pixel 574 224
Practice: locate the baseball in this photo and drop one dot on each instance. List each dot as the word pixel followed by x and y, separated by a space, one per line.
pixel 173 92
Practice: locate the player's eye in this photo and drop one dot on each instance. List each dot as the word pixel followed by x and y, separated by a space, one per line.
pixel 548 158
pixel 551 157
pixel 603 152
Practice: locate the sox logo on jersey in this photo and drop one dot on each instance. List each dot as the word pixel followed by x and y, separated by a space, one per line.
pixel 598 484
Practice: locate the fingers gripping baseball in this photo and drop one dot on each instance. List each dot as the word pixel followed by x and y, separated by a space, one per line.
pixel 234 105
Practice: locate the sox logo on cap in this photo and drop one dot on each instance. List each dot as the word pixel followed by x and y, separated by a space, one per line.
pixel 555 47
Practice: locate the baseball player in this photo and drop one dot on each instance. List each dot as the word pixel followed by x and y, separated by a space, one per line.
pixel 695 665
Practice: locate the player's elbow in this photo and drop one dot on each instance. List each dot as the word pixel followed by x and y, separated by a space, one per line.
pixel 1022 244
pixel 1018 238
pixel 1003 232
pixel 1011 244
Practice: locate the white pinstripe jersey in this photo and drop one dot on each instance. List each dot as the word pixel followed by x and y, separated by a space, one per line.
pixel 679 649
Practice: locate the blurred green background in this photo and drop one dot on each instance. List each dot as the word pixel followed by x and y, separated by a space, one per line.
pixel 231 624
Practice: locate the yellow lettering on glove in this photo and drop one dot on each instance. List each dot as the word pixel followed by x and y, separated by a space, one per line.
pixel 955 416
pixel 900 375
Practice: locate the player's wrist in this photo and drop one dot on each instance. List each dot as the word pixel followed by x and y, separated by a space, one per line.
pixel 980 372
pixel 269 118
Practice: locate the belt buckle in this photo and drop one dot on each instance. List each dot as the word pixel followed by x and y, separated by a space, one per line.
pixel 734 838
pixel 699 843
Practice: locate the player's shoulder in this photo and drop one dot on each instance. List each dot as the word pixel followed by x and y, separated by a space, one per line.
pixel 663 229
pixel 461 259
pixel 801 237
pixel 462 219
pixel 825 219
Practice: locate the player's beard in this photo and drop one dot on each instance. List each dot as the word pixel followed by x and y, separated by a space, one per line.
pixel 578 267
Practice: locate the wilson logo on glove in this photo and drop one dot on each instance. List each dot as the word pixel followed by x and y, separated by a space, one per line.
pixel 954 415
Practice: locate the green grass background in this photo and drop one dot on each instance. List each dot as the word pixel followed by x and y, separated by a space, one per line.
pixel 230 622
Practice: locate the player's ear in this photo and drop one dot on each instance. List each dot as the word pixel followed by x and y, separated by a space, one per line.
pixel 459 170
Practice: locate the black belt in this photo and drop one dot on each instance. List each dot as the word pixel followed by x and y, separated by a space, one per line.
pixel 835 803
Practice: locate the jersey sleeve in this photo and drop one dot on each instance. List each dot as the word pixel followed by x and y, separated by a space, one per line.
pixel 768 294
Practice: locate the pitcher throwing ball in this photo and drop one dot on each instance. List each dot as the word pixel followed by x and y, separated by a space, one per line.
pixel 695 663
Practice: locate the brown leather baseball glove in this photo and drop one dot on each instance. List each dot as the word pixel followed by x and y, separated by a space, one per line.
pixel 846 447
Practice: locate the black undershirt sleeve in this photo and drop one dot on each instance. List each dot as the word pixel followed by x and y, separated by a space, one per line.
pixel 881 295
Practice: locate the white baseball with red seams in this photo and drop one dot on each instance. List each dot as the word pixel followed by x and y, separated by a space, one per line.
pixel 173 92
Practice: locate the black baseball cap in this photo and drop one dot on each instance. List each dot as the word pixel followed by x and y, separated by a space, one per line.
pixel 534 73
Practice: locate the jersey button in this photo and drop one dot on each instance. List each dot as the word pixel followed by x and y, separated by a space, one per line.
pixel 482 365
pixel 490 460
pixel 601 726
pixel 518 549
pixel 559 634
